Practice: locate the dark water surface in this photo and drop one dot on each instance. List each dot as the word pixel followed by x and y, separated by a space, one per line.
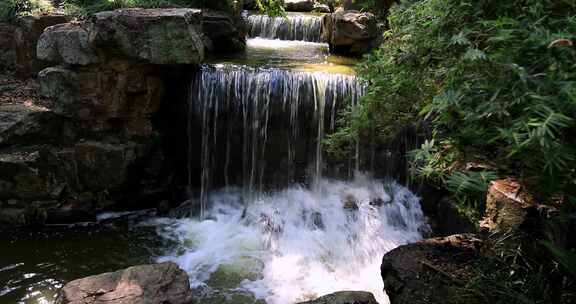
pixel 36 262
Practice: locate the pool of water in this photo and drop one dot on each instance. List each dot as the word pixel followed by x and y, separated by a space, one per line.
pixel 36 262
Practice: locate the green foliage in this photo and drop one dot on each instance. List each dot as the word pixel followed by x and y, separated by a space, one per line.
pixel 565 257
pixel 273 8
pixel 495 80
pixel 469 189
pixel 11 9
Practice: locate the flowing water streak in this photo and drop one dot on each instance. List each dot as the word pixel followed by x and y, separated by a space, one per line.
pixel 297 244
pixel 230 100
pixel 301 27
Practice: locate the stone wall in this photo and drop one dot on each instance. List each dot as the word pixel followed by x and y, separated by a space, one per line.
pixel 94 145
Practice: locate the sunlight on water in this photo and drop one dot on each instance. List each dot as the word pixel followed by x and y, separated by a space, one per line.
pixel 298 244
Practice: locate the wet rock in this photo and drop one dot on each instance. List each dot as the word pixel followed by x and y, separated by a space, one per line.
pixel 223 32
pixel 351 32
pixel 230 276
pixel 156 283
pixel 29 29
pixel 430 271
pixel 350 203
pixel 66 43
pixel 207 295
pixel 317 222
pixel 507 206
pixel 345 297
pixel 377 202
pixel 157 36
pixel 299 5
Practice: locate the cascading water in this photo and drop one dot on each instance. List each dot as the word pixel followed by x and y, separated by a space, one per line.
pixel 272 224
pixel 293 27
pixel 274 119
pixel 298 244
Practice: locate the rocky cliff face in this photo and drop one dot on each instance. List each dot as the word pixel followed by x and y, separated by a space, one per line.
pixel 92 143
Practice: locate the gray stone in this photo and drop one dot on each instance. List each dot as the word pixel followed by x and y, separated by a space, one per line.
pixel 351 32
pixel 145 284
pixel 29 29
pixel 158 36
pixel 66 43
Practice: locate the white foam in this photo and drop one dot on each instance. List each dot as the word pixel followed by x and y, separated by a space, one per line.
pixel 308 243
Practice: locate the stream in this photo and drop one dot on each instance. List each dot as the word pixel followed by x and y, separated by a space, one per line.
pixel 276 222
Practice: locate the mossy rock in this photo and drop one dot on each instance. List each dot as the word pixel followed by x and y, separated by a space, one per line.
pixel 229 276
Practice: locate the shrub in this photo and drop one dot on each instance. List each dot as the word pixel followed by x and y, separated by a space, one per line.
pixel 11 9
pixel 494 79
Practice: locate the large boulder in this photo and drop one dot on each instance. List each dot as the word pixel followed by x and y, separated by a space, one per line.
pixel 351 32
pixel 157 36
pixel 299 5
pixel 28 31
pixel 66 43
pixel 430 271
pixel 345 297
pixel 145 284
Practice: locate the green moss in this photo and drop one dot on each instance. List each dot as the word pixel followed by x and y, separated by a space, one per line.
pixel 230 276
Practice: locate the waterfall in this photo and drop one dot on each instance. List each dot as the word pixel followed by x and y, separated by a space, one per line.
pixel 257 121
pixel 297 244
pixel 292 27
pixel 275 221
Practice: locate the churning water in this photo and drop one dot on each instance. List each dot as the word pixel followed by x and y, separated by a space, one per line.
pixel 299 243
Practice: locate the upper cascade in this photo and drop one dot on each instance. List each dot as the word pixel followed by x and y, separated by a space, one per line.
pixel 295 26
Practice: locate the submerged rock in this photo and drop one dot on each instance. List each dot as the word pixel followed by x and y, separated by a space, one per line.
pixel 156 283
pixel 350 203
pixel 345 297
pixel 429 271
